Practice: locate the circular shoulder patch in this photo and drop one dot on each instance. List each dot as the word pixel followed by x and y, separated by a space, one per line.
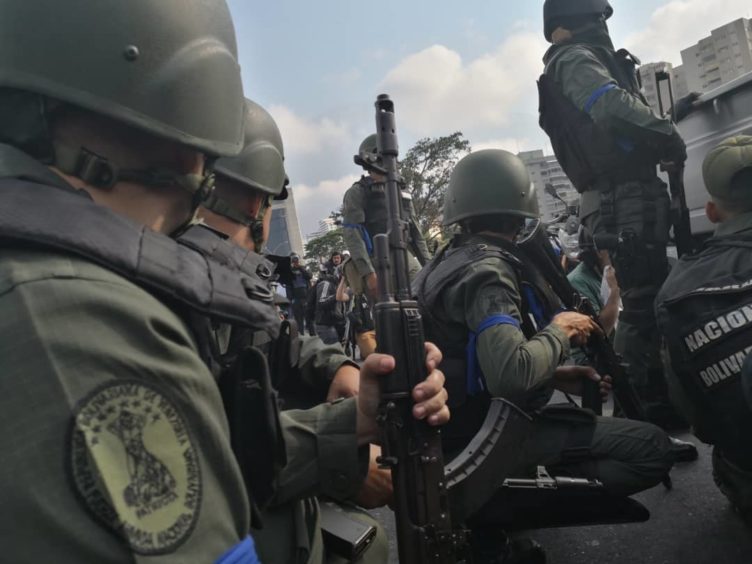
pixel 134 465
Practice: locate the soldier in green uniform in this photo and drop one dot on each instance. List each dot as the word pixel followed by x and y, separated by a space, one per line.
pixel 503 335
pixel 305 371
pixel 704 311
pixel 609 142
pixel 364 215
pixel 116 446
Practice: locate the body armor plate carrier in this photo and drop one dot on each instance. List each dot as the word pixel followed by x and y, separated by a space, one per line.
pixel 709 335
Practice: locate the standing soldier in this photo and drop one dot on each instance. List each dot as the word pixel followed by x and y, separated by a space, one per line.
pixel 609 142
pixel 704 311
pixel 364 215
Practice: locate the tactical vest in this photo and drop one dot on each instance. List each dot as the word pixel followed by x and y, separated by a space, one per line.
pixel 250 363
pixel 47 217
pixel 377 217
pixel 709 334
pixel 447 269
pixel 38 216
pixel 590 155
pixel 376 211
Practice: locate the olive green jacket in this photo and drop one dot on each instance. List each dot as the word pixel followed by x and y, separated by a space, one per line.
pixel 513 365
pixel 580 73
pixel 114 439
pixel 355 212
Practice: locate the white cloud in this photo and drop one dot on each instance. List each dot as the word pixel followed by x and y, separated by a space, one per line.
pixel 439 92
pixel 304 136
pixel 680 23
pixel 345 79
pixel 316 202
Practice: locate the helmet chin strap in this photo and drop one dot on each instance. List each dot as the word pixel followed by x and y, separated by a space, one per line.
pixel 100 172
pixel 222 207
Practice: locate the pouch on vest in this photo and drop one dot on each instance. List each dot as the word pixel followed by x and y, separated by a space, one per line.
pixel 255 431
pixel 294 392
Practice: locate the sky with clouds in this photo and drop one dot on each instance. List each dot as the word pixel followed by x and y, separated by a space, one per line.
pixel 317 65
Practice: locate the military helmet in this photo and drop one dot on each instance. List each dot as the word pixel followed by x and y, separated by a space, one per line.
pixel 489 182
pixel 260 165
pixel 168 68
pixel 554 11
pixel 368 152
pixel 722 166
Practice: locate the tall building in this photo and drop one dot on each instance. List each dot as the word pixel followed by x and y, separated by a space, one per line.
pixel 325 226
pixel 681 88
pixel 545 169
pixel 284 234
pixel 720 58
pixel 649 74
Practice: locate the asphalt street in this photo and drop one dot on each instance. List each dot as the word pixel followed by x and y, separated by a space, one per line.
pixel 691 524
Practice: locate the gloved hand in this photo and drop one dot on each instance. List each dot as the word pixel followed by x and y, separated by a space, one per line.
pixel 674 152
pixel 685 106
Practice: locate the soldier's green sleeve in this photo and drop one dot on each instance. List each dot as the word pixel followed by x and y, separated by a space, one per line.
pixel 581 75
pixel 111 427
pixel 319 362
pixel 327 460
pixel 354 214
pixel 512 365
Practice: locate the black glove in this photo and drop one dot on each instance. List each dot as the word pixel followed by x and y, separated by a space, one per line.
pixel 685 106
pixel 675 151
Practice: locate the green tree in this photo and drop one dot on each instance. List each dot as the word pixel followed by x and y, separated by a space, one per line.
pixel 321 248
pixel 426 168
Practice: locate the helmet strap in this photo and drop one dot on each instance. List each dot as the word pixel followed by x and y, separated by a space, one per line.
pixel 222 207
pixel 96 170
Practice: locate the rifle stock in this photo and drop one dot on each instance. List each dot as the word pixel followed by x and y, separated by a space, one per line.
pixel 410 448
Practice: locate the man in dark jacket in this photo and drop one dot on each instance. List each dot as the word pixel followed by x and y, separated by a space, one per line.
pixel 704 311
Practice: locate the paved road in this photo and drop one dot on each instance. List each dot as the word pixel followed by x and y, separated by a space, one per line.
pixel 691 524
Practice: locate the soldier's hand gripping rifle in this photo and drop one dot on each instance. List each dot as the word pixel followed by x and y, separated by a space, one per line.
pixel 606 361
pixel 411 448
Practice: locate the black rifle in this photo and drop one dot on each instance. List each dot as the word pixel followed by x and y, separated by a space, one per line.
pixel 679 210
pixel 410 448
pixel 538 250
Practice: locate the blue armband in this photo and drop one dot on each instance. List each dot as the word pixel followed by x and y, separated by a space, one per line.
pixel 363 234
pixel 242 553
pixel 476 381
pixel 595 96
